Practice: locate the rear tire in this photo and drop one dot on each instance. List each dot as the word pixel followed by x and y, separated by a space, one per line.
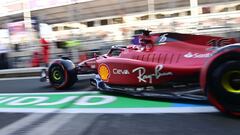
pixel 62 74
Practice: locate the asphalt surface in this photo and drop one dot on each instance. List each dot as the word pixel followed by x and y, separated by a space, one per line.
pixel 106 124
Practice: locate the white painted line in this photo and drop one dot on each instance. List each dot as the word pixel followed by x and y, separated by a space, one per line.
pixel 49 93
pixel 202 109
pixel 28 120
pixel 79 125
pixel 144 110
pixel 51 126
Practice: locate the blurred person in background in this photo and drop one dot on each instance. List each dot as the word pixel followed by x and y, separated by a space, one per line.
pixel 35 59
pixel 72 47
pixel 45 51
pixel 16 47
pixel 3 56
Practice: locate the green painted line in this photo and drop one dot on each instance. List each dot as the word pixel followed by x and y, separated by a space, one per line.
pixel 75 100
pixel 90 102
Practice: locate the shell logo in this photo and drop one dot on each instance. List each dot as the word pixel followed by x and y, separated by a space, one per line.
pixel 104 72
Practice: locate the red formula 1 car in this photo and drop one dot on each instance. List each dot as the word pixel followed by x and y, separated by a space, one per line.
pixel 164 65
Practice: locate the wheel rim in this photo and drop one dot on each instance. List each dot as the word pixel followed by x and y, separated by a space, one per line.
pixel 231 81
pixel 57 75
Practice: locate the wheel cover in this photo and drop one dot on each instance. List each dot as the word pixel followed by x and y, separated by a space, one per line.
pixel 57 75
pixel 231 81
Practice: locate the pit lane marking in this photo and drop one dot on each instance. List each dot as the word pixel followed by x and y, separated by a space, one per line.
pixel 51 126
pixel 90 102
pixel 114 110
pixel 10 129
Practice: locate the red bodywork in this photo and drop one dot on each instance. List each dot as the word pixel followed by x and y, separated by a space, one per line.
pixel 166 57
pixel 181 61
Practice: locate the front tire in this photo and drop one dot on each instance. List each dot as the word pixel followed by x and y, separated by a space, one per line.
pixel 220 79
pixel 224 87
pixel 62 74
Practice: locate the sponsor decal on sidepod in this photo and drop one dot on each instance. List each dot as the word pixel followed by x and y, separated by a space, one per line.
pixel 142 76
pixel 197 55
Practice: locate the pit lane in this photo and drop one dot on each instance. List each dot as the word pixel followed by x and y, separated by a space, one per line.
pixel 97 123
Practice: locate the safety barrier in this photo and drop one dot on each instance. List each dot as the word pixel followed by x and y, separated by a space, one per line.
pixel 21 72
